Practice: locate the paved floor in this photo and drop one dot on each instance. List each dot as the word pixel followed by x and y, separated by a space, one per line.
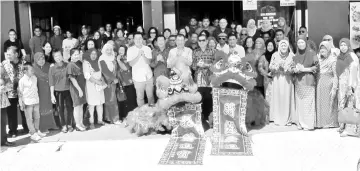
pixel 113 148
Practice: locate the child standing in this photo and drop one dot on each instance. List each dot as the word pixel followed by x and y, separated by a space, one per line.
pixel 29 102
pixel 77 87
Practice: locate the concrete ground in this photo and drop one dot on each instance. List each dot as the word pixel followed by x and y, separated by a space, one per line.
pixel 112 147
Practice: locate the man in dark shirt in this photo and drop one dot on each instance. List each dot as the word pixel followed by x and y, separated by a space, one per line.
pixel 222 29
pixel 193 25
pixel 36 43
pixel 56 40
pixel 206 26
pixel 311 43
pixel 193 42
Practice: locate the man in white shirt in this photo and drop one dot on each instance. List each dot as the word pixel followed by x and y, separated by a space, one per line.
pixel 235 48
pixel 180 52
pixel 222 46
pixel 139 57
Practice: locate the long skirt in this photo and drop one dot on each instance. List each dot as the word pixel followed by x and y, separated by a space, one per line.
pixel 111 110
pixel 326 108
pixel 282 103
pixel 305 105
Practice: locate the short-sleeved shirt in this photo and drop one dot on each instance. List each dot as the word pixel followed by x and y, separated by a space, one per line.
pixel 58 77
pixel 15 73
pixel 141 71
pixel 29 90
pixel 18 44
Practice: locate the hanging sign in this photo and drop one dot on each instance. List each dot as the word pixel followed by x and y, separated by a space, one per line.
pixel 249 4
pixel 287 3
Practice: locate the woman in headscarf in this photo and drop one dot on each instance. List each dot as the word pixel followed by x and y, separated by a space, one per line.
pixel 266 27
pixel 251 27
pixel 282 93
pixel 334 51
pixel 41 70
pixel 347 66
pixel 327 81
pixel 283 26
pixel 263 67
pixel 94 85
pixel 306 65
pixel 108 66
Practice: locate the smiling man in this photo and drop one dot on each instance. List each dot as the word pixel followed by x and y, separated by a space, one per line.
pixel 222 29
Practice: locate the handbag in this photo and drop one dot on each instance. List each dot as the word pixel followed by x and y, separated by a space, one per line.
pixel 349 115
pixel 120 93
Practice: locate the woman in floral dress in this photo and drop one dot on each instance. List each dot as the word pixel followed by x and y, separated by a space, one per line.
pixel 327 81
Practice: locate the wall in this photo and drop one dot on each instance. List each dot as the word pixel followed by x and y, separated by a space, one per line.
pixel 329 17
pixel 25 24
pixel 7 23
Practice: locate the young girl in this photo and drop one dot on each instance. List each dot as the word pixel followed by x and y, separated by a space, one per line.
pixel 29 101
pixel 77 87
pixel 94 85
pixel 124 74
pixel 60 94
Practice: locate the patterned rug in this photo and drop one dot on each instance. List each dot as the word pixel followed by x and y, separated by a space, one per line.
pixel 230 136
pixel 187 143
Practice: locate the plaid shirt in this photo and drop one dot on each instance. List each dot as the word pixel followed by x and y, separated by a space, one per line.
pixel 202 74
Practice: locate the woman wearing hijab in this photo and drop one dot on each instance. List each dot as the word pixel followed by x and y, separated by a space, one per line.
pixel 347 66
pixel 108 65
pixel 94 88
pixel 307 64
pixel 282 93
pixel 263 67
pixel 334 51
pixel 41 70
pixel 251 27
pixel 327 81
pixel 266 28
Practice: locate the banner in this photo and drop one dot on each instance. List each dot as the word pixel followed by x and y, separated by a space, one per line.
pixel 355 24
pixel 287 3
pixel 249 4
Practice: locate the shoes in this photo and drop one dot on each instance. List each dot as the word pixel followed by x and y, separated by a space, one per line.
pixel 64 129
pixel 92 126
pixel 118 123
pixel 8 144
pixel 11 135
pixel 23 132
pixel 70 129
pixel 80 129
pixel 35 137
pixel 41 134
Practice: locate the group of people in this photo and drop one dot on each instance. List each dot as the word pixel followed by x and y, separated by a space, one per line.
pixel 107 74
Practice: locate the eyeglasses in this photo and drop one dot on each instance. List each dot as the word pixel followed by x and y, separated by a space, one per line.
pixel 301 31
pixel 222 38
pixel 202 40
pixel 327 40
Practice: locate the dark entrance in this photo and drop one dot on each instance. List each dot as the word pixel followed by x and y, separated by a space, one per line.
pixel 72 15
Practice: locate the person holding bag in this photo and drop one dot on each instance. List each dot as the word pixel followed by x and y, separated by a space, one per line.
pixel 347 66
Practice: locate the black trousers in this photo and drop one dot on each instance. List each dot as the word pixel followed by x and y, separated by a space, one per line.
pixel 3 125
pixel 207 102
pixel 64 107
pixel 12 114
pixel 129 104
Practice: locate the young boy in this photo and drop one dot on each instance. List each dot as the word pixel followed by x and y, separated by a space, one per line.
pixel 29 101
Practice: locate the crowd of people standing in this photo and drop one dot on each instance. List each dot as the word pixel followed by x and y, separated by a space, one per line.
pixel 107 73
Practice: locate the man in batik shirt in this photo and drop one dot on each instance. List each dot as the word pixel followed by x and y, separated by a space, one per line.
pixel 203 59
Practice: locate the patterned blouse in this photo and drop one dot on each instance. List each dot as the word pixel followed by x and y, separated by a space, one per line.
pixel 15 73
pixel 202 74
pixel 4 80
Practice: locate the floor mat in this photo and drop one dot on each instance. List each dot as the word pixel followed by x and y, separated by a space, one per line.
pixel 230 135
pixel 187 143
